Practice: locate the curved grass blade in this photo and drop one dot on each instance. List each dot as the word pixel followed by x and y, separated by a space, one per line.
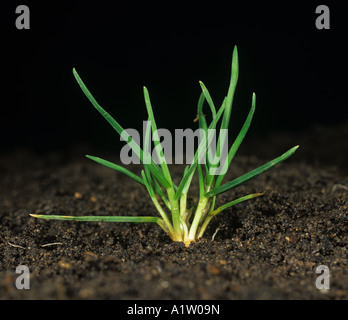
pixel 252 174
pixel 132 144
pixel 116 167
pixel 224 207
pixel 101 110
pixel 208 98
pixel 236 201
pixel 203 125
pixel 238 140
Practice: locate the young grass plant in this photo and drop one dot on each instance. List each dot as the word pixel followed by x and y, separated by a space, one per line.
pixel 175 218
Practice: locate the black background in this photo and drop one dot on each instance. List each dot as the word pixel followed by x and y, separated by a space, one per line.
pixel 298 72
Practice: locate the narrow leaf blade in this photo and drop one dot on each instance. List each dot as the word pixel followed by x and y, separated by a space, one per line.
pixel 98 218
pixel 186 180
pixel 236 144
pixel 236 201
pixel 208 98
pixel 252 174
pixel 155 136
pixel 132 144
pixel 94 102
pixel 116 167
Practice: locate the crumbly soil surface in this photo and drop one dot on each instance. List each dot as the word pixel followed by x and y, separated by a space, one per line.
pixel 266 248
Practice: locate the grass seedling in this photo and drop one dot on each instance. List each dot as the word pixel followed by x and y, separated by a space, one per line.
pixel 174 217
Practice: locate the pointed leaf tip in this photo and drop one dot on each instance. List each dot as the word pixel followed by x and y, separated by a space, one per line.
pixel 235 51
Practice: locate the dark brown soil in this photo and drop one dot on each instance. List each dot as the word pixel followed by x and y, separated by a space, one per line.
pixel 266 248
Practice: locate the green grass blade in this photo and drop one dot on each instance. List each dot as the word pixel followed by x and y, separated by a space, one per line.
pixel 156 203
pixel 200 181
pixel 132 144
pixel 203 125
pixel 185 182
pixel 200 107
pixel 130 174
pixel 159 191
pixel 221 110
pixel 157 143
pixel 148 184
pixel 224 207
pixel 239 139
pixel 151 181
pixel 98 218
pixel 159 175
pixel 105 114
pixel 208 98
pixel 236 201
pixel 252 174
pixel 117 168
pixel 147 156
pixel 171 188
pixel 147 142
pixel 231 89
pixel 228 108
pixel 204 144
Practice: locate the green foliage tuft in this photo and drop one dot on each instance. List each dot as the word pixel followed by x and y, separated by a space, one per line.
pixel 179 222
